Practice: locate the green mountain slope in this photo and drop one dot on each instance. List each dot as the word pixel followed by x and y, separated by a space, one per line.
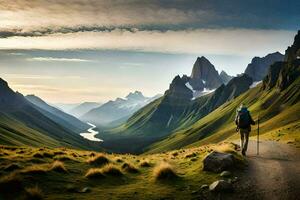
pixel 276 101
pixel 65 120
pixel 21 123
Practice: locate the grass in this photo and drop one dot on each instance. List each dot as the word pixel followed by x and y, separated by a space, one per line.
pixel 113 180
pixel 164 171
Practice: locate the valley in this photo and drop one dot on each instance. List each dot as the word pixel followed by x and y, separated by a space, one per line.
pixel 182 144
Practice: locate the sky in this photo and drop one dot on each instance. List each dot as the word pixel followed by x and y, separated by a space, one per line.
pixel 73 51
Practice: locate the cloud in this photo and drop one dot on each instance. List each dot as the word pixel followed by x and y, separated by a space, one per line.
pixel 51 59
pixel 70 13
pixel 196 41
pixel 38 77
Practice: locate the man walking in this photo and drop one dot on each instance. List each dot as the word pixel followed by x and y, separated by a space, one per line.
pixel 243 120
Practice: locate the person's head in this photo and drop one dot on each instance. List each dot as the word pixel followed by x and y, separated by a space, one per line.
pixel 243 106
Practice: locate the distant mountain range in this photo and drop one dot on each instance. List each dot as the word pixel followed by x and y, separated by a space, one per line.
pixel 83 108
pixel 65 120
pixel 36 124
pixel 117 111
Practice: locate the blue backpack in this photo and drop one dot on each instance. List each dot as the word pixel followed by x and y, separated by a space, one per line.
pixel 243 120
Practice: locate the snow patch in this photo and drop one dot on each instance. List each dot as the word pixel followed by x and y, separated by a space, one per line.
pixel 254 84
pixel 188 85
pixel 205 91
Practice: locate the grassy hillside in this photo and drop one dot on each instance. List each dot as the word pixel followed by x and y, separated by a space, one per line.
pixel 278 111
pixel 71 174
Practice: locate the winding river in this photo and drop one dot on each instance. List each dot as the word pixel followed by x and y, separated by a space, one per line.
pixel 90 134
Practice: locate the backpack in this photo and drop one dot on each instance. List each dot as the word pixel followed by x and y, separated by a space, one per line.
pixel 243 119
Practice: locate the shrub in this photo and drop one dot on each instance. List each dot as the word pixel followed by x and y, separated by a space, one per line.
pixel 164 171
pixel 111 170
pixel 34 193
pixel 98 160
pixel 94 173
pixel 129 168
pixel 58 166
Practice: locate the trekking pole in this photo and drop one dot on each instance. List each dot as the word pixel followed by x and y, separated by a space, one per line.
pixel 258 135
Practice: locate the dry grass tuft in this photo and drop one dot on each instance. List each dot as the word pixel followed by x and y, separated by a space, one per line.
pixel 98 160
pixel 33 193
pixel 175 154
pixel 10 184
pixel 111 170
pixel 145 163
pixel 164 171
pixel 62 158
pixel 58 166
pixel 191 155
pixel 119 160
pixel 35 169
pixel 48 155
pixel 129 168
pixel 94 173
pixel 38 155
pixel 11 167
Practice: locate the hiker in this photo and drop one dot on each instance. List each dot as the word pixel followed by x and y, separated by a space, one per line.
pixel 243 120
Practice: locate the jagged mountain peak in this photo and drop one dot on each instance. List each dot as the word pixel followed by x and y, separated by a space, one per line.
pixel 137 95
pixel 204 75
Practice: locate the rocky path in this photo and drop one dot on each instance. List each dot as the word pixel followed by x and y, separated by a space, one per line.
pixel 273 174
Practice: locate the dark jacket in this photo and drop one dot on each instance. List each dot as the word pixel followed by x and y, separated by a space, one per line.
pixel 251 121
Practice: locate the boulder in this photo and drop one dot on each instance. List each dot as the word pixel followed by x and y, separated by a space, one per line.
pixel 218 162
pixel 220 186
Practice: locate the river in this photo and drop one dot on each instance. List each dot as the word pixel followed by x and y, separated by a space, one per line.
pixel 90 134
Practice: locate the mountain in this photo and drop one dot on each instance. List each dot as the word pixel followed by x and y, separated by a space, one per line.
pixel 66 107
pixel 204 75
pixel 83 108
pixel 174 111
pixel 22 123
pixel 121 108
pixel 276 101
pixel 258 68
pixel 225 77
pixel 65 120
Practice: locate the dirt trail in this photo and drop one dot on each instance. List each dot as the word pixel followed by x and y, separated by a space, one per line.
pixel 273 174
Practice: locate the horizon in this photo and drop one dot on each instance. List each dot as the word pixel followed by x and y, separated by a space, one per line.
pixel 108 49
